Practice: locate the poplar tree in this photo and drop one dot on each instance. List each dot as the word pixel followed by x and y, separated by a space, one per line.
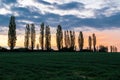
pixel 115 49
pixel 80 41
pixel 12 33
pixel 111 48
pixel 65 39
pixel 47 38
pixel 90 42
pixel 42 36
pixel 32 36
pixel 94 42
pixel 72 41
pixel 27 36
pixel 59 37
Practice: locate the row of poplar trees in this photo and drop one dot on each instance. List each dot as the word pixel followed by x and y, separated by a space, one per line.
pixel 69 40
pixel 68 37
pixel 91 40
pixel 30 37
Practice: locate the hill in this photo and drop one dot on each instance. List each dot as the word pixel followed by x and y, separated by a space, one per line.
pixel 59 66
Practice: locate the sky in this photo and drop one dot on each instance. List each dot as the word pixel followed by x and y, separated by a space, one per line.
pixel 101 17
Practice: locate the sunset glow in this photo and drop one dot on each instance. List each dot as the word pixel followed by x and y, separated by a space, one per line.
pixel 104 37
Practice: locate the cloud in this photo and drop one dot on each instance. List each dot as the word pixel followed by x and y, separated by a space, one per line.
pixel 4 11
pixel 3 30
pixel 99 14
pixel 44 2
pixel 71 5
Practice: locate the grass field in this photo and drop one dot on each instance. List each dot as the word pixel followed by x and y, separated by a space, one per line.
pixel 59 66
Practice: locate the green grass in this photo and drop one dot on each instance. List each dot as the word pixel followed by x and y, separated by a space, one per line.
pixel 59 66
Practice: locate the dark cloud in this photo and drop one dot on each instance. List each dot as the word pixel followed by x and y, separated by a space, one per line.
pixel 9 1
pixel 44 2
pixel 102 22
pixel 72 5
pixel 67 21
pixel 22 11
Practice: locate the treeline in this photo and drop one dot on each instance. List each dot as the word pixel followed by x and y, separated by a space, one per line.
pixel 65 39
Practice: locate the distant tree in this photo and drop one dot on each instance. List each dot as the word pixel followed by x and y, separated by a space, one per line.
pixel 111 48
pixel 12 33
pixel 80 41
pixel 42 36
pixel 103 48
pixel 65 39
pixel 72 41
pixel 94 42
pixel 59 37
pixel 90 42
pixel 115 49
pixel 27 36
pixel 47 38
pixel 32 36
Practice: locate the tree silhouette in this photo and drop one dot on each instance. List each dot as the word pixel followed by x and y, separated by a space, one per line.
pixel 72 41
pixel 111 49
pixel 12 33
pixel 80 41
pixel 90 42
pixel 27 36
pixel 59 37
pixel 42 36
pixel 103 48
pixel 47 38
pixel 65 39
pixel 32 36
pixel 94 42
pixel 115 49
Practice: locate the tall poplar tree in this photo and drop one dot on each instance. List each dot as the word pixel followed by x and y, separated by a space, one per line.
pixel 32 36
pixel 27 36
pixel 80 41
pixel 65 39
pixel 42 36
pixel 72 41
pixel 94 42
pixel 59 37
pixel 90 42
pixel 47 38
pixel 111 48
pixel 12 33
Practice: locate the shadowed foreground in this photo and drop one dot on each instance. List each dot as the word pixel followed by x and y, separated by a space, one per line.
pixel 59 66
